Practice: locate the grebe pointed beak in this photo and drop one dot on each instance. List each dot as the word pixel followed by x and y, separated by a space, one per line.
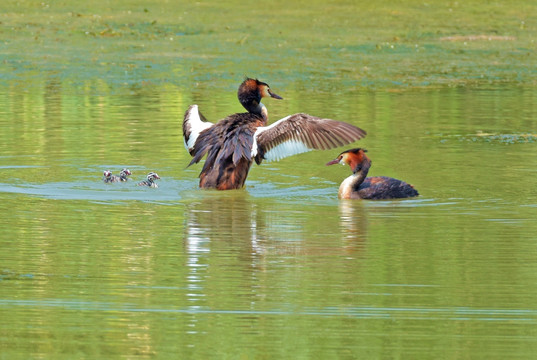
pixel 273 95
pixel 333 162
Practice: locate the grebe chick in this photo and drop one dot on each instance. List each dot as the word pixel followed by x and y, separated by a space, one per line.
pixel 108 177
pixel 124 174
pixel 150 181
pixel 232 144
pixel 357 186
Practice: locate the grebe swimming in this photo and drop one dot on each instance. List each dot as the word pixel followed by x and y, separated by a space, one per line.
pixel 150 181
pixel 109 178
pixel 233 143
pixel 124 175
pixel 357 186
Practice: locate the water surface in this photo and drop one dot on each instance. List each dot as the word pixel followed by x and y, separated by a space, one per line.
pixel 281 268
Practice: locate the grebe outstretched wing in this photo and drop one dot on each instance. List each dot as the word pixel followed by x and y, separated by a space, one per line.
pixel 300 133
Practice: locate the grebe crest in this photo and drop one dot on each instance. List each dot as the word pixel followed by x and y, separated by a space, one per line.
pixel 250 93
pixel 355 158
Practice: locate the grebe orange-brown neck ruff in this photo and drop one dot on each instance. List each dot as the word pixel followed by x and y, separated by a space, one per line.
pixel 359 186
pixel 234 142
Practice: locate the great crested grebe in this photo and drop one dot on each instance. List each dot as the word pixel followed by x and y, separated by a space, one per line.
pixel 234 142
pixel 150 181
pixel 357 186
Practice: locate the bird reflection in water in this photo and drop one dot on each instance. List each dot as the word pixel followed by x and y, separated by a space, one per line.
pixel 233 222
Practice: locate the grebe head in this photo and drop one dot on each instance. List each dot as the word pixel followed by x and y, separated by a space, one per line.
pixel 125 172
pixel 355 158
pixel 107 174
pixel 152 176
pixel 250 93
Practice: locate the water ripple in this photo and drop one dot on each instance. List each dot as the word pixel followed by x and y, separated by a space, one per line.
pixel 455 314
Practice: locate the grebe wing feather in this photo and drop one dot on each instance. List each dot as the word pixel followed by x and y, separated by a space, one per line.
pixel 300 133
pixel 193 124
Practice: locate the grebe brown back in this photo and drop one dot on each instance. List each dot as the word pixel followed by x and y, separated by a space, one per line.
pixel 357 186
pixel 232 144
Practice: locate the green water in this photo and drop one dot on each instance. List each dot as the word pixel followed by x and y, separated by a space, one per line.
pixel 281 269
